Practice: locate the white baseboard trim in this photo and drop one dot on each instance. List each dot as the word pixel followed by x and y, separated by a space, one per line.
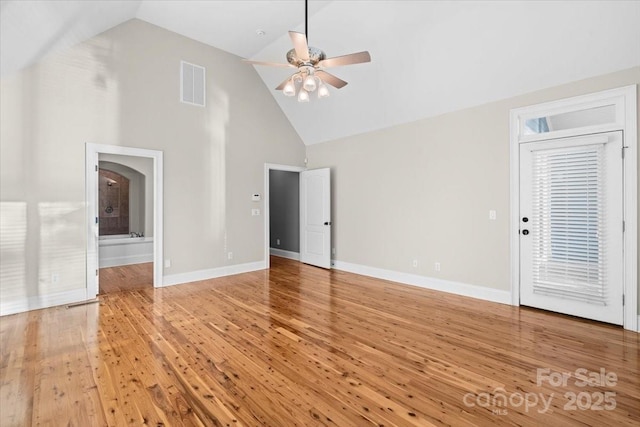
pixel 42 301
pixel 125 260
pixel 473 291
pixel 212 273
pixel 285 254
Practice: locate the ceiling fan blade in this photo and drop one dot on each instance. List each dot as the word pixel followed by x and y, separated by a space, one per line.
pixel 300 45
pixel 281 85
pixel 352 58
pixel 330 79
pixel 270 64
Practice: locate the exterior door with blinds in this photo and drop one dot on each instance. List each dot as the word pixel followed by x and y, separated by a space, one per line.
pixel 571 229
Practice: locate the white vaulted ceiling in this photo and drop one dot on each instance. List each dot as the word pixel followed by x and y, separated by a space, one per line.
pixel 428 57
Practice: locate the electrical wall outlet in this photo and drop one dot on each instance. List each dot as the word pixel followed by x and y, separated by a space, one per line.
pixel 255 212
pixel 436 266
pixel 55 278
pixel 167 263
pixel 492 215
pixel 415 263
pixel 229 255
pixel 278 242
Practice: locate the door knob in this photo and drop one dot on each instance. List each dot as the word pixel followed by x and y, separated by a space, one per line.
pixel 525 219
pixel 525 232
pixel 327 223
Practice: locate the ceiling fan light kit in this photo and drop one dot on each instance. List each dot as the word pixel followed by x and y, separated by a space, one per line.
pixel 309 82
pixel 303 96
pixel 289 88
pixel 323 91
pixel 310 62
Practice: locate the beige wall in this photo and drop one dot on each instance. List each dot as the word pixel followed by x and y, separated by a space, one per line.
pixel 122 88
pixel 416 191
pixel 423 190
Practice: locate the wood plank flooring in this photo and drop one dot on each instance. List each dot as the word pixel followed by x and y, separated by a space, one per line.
pixel 300 346
pixel 126 278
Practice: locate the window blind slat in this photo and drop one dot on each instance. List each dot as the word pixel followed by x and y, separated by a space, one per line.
pixel 568 247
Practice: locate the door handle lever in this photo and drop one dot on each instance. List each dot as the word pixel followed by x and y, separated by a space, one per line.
pixel 327 223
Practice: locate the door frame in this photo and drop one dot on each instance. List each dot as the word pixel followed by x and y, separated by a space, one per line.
pixel 92 152
pixel 624 100
pixel 267 209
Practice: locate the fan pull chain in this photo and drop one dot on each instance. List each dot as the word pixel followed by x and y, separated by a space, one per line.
pixel 306 19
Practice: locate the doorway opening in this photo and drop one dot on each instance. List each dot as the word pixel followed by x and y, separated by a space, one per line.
pixel 284 214
pixel 281 212
pixel 314 214
pixel 125 218
pixel 130 259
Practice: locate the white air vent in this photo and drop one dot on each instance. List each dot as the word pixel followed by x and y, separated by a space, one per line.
pixel 192 84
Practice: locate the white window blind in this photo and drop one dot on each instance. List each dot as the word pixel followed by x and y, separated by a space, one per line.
pixel 569 251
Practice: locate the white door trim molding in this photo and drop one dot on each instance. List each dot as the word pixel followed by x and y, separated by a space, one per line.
pixel 91 194
pixel 267 236
pixel 624 100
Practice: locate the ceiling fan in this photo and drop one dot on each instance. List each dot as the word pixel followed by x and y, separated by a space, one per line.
pixel 310 62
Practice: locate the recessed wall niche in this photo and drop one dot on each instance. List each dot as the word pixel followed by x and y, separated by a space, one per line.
pixel 114 203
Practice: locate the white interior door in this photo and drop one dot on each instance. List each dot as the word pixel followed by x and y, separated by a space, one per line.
pixel 315 217
pixel 93 227
pixel 571 226
pixel 96 230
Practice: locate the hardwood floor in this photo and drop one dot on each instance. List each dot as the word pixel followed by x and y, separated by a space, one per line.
pixel 126 278
pixel 301 346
